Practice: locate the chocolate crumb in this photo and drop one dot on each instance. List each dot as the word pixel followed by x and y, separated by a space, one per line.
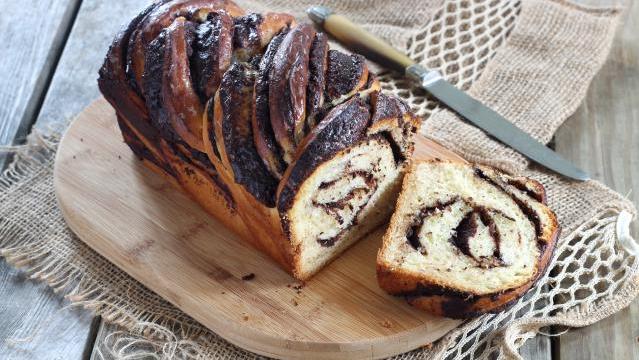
pixel 245 317
pixel 119 156
pixel 74 156
pixel 81 139
pixel 223 292
pixel 248 277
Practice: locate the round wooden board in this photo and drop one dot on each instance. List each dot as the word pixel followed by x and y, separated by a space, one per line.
pixel 160 237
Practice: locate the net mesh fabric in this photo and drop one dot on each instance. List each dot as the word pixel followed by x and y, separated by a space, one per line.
pixel 458 42
pixel 531 61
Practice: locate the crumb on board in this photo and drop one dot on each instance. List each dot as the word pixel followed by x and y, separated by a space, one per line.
pixel 298 288
pixel 245 317
pixel 427 346
pixel 295 303
pixel 387 324
pixel 248 277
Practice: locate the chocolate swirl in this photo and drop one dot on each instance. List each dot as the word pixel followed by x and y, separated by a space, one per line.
pixel 246 92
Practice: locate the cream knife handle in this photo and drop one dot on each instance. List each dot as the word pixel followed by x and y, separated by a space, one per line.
pixel 359 40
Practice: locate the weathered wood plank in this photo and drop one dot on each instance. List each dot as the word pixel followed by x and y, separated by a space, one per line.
pixel 74 84
pixel 32 34
pixel 33 323
pixel 602 137
pixel 538 348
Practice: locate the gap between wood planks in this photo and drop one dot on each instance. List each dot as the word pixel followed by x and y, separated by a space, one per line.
pixel 37 96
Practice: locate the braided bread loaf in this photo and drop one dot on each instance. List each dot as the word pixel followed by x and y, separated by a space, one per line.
pixel 465 240
pixel 288 143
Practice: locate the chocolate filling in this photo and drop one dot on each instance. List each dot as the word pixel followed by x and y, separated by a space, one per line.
pixel 412 235
pixel 288 80
pixel 529 212
pixel 342 127
pixel 152 87
pixel 466 229
pixel 457 304
pixel 398 154
pixel 520 185
pixel 246 35
pixel 345 74
pixel 488 221
pixel 318 60
pixel 332 208
pixel 212 51
pixel 236 95
pixel 265 142
pixel 463 232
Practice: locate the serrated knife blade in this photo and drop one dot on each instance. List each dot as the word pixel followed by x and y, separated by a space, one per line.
pixel 463 104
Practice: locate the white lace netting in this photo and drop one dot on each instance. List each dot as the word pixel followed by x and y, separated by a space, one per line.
pixel 458 42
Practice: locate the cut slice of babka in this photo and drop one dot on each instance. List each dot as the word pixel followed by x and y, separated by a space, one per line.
pixel 465 240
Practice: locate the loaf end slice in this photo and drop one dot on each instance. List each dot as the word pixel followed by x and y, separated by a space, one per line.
pixel 465 240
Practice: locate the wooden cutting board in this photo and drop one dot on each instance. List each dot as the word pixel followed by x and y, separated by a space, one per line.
pixel 164 240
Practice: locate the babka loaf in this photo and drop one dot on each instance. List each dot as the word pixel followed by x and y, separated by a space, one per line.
pixel 288 143
pixel 465 240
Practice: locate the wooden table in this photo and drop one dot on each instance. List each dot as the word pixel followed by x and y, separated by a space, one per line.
pixel 52 50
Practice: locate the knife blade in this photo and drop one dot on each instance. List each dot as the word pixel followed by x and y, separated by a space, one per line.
pixel 365 43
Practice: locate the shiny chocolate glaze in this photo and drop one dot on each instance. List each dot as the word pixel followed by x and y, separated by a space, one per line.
pixel 236 97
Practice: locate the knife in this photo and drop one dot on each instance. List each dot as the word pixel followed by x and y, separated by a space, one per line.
pixel 432 81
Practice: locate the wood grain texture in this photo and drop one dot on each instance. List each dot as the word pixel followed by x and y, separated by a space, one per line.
pixel 33 33
pixel 173 247
pixel 602 137
pixel 72 88
pixel 74 85
pixel 33 324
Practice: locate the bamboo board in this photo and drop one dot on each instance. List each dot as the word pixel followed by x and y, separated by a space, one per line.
pixel 164 240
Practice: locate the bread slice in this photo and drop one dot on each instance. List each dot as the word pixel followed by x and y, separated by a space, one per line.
pixel 465 240
pixel 341 186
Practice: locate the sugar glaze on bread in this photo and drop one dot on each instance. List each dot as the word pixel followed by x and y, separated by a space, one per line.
pixel 465 240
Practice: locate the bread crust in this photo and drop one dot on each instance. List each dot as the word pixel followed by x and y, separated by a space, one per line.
pixel 288 80
pixel 263 134
pixel 442 300
pixel 345 75
pixel 165 76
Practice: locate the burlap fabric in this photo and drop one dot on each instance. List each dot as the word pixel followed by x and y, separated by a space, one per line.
pixel 531 61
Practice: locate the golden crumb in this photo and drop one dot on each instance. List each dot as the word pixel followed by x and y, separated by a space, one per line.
pixel 387 324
